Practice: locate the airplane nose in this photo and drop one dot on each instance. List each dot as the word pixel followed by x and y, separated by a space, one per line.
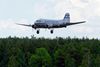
pixel 32 26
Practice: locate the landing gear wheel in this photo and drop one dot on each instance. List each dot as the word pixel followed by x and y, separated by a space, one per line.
pixel 51 31
pixel 37 32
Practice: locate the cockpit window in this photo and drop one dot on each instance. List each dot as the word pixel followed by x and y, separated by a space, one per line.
pixel 38 21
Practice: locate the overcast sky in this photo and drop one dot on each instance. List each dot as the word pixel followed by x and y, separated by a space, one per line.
pixel 27 11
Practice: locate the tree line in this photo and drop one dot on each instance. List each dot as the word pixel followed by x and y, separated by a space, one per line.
pixel 42 52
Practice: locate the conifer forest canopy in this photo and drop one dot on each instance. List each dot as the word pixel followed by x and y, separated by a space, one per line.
pixel 41 52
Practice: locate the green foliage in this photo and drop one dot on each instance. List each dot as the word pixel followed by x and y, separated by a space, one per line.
pixel 41 52
pixel 34 61
pixel 69 61
pixel 13 62
pixel 96 61
pixel 86 62
pixel 59 58
pixel 41 58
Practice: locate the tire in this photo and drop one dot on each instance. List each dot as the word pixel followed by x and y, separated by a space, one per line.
pixel 51 31
pixel 37 32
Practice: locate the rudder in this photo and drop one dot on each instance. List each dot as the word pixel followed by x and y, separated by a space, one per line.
pixel 67 17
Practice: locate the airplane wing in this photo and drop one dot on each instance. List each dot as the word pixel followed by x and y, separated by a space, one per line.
pixel 24 25
pixel 76 23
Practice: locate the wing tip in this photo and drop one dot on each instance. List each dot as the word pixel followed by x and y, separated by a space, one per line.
pixel 24 24
pixel 84 21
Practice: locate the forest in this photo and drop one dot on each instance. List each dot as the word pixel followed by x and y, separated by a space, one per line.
pixel 46 52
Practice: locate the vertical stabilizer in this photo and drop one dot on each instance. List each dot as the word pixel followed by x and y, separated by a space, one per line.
pixel 67 17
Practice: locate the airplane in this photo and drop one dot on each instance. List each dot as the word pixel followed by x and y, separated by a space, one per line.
pixel 51 24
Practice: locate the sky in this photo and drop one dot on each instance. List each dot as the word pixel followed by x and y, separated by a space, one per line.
pixel 27 11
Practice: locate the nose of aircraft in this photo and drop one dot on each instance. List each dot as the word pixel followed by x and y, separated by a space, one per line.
pixel 32 26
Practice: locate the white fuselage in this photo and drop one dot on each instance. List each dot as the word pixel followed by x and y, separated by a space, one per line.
pixel 45 23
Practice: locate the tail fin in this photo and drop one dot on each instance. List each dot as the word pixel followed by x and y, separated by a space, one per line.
pixel 67 17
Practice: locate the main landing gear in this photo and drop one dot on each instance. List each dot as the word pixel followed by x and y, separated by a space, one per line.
pixel 38 31
pixel 51 31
